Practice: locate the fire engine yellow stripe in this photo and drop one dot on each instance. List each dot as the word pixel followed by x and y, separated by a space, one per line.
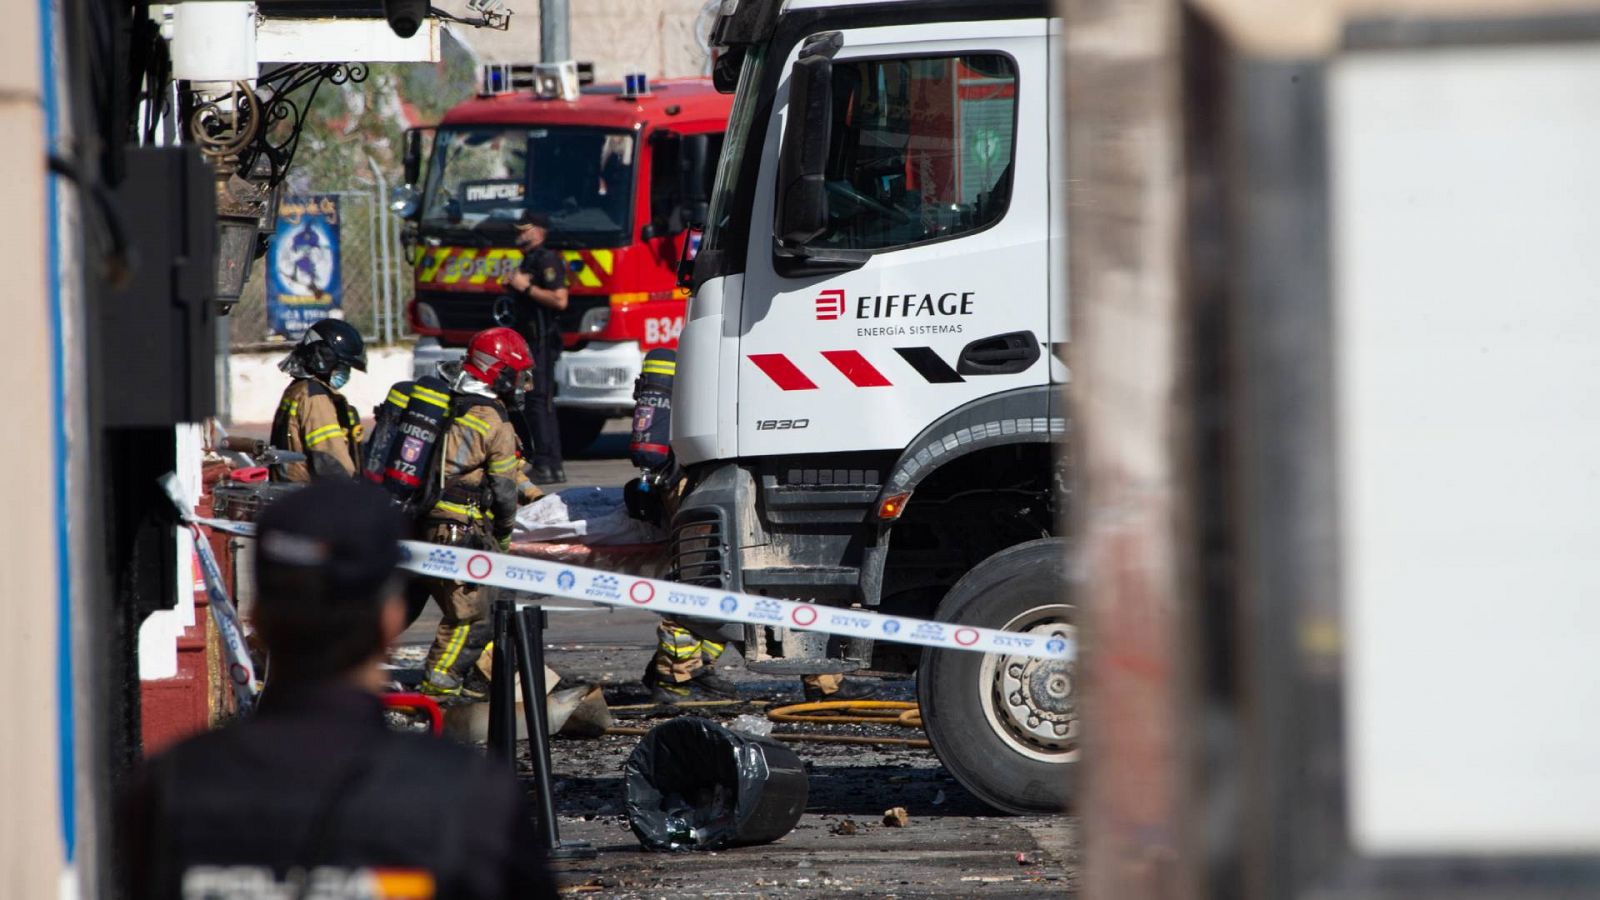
pixel 475 423
pixel 431 262
pixel 604 258
pixel 481 273
pixel 462 264
pixel 585 274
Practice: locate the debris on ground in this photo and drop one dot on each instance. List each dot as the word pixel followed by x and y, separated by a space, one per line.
pixel 845 827
pixel 1029 858
pixel 896 817
pixel 755 726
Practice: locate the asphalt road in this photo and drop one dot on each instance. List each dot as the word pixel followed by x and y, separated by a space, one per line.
pixel 952 845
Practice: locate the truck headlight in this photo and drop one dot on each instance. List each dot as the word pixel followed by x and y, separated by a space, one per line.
pixel 595 320
pixel 425 316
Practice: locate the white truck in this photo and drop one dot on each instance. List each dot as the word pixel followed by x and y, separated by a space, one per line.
pixel 869 398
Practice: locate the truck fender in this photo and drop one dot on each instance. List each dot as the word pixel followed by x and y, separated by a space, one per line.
pixel 1028 415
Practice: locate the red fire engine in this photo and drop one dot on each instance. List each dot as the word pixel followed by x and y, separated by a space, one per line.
pixel 621 170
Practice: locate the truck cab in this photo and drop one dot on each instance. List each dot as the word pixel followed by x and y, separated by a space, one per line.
pixel 869 395
pixel 621 170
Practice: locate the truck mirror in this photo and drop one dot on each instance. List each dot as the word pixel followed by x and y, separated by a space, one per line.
pixel 413 156
pixel 803 158
pixel 404 201
pixel 691 250
pixel 725 68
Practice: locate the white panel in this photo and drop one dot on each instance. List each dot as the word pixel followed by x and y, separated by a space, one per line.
pixel 214 41
pixel 1466 201
pixel 343 40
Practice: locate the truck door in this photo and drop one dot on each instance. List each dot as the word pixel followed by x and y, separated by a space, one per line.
pixel 938 170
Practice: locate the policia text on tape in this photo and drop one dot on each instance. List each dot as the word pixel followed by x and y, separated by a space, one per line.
pixel 537 576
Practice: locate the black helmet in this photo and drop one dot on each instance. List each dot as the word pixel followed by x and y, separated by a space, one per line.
pixel 331 343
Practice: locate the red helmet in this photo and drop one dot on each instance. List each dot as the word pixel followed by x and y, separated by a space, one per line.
pixel 498 357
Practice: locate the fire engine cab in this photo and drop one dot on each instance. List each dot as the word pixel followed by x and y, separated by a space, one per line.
pixel 622 170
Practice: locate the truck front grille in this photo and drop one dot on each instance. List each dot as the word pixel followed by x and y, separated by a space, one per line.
pixel 462 311
pixel 700 549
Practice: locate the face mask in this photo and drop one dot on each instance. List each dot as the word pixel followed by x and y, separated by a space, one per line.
pixel 339 378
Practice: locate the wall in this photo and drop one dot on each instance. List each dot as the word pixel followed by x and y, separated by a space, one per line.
pixel 655 35
pixel 256 384
pixel 32 849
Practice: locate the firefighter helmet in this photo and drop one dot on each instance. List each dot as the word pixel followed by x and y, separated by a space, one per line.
pixel 498 357
pixel 331 343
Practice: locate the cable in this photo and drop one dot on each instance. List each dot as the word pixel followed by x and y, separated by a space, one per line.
pixel 872 712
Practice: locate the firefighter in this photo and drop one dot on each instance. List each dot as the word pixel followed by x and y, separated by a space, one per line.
pixel 684 668
pixel 482 482
pixel 539 287
pixel 314 795
pixel 313 417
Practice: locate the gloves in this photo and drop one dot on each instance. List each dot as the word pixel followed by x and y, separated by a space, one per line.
pixel 505 543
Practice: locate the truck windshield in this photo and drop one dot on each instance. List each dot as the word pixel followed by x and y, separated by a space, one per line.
pixel 733 150
pixel 483 177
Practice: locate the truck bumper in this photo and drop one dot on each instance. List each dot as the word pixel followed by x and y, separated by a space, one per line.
pixel 598 378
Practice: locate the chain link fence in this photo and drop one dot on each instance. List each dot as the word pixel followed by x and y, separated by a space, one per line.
pixel 372 269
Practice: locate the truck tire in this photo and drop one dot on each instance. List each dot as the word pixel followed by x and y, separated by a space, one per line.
pixel 1007 727
pixel 579 428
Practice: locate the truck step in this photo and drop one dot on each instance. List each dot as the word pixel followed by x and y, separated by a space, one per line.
pixel 800 576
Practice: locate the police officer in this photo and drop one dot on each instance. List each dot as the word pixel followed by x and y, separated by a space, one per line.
pixel 483 484
pixel 314 795
pixel 540 288
pixel 313 417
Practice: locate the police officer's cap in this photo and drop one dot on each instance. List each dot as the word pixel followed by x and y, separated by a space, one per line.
pixel 529 217
pixel 343 531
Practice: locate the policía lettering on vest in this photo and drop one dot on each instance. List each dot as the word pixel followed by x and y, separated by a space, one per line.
pixel 889 306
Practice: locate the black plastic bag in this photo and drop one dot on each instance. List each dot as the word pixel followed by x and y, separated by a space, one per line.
pixel 694 785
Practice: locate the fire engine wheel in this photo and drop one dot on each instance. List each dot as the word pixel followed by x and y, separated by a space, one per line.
pixel 1007 726
pixel 579 428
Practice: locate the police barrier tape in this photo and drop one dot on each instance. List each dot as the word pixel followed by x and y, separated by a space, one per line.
pixel 241 672
pixel 537 576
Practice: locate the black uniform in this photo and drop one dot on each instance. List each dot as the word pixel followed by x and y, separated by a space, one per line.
pixel 315 782
pixel 538 324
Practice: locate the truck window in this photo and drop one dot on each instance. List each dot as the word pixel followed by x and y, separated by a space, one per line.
pixel 484 176
pixel 921 149
pixel 666 200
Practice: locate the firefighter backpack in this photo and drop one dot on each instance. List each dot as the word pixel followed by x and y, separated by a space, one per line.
pixel 652 411
pixel 385 425
pixel 414 444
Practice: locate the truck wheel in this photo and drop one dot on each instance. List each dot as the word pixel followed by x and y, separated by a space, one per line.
pixel 579 428
pixel 1007 726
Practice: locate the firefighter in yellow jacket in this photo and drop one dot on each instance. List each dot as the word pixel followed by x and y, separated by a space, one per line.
pixel 482 482
pixel 313 417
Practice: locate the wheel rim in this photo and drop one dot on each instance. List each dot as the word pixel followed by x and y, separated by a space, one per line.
pixel 1031 704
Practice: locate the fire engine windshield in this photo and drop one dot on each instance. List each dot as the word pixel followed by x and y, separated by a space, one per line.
pixel 483 177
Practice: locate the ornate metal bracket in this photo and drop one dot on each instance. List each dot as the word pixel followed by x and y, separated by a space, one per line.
pixel 279 136
pixel 258 130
